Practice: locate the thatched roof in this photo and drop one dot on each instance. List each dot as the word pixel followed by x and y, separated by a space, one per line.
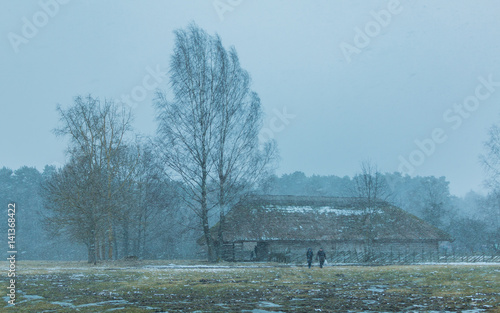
pixel 263 218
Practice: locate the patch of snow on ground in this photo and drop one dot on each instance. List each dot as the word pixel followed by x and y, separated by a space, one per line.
pixel 77 276
pixel 31 297
pixel 212 268
pixel 376 288
pixel 266 304
pixel 465 311
pixel 64 304
pixel 261 311
pixel 103 303
pixel 460 263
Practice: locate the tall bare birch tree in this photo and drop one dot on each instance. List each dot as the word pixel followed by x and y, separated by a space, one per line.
pixel 208 132
pixel 239 162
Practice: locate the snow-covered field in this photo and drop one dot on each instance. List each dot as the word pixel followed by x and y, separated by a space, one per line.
pixel 144 286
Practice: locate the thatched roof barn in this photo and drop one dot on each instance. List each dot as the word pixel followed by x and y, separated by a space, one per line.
pixel 262 227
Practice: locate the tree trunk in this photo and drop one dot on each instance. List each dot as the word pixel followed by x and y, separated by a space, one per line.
pixel 144 250
pixel 220 230
pixel 204 220
pixel 103 249
pixel 208 237
pixel 115 244
pixel 110 239
pixel 91 258
pixel 220 234
pixel 125 239
pixel 204 210
pixel 97 249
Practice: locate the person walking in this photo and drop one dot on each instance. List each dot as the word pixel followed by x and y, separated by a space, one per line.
pixel 321 257
pixel 309 255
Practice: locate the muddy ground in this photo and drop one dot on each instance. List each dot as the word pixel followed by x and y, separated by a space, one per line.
pixel 162 287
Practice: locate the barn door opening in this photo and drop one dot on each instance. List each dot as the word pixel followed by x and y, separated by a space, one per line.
pixel 261 251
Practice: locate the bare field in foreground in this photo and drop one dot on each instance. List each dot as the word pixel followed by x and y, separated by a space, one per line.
pixel 160 286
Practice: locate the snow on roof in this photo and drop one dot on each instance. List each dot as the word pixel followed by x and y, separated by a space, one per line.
pixel 322 218
pixel 320 210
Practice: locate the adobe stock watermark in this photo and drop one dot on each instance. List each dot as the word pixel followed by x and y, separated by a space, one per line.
pixel 277 123
pixel 11 252
pixel 224 6
pixel 454 118
pixel 363 36
pixel 31 26
pixel 150 82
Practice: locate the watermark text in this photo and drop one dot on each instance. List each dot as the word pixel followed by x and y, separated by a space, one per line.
pixel 31 26
pixel 454 118
pixel 224 6
pixel 11 251
pixel 363 36
pixel 277 123
pixel 150 82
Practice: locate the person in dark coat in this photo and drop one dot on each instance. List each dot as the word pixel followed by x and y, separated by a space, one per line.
pixel 321 257
pixel 309 255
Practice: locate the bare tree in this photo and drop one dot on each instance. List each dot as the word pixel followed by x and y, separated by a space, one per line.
pixel 370 187
pixel 239 162
pixel 491 163
pixel 151 200
pixel 370 184
pixel 71 194
pixel 491 160
pixel 98 133
pixel 436 198
pixel 186 124
pixel 491 209
pixel 208 132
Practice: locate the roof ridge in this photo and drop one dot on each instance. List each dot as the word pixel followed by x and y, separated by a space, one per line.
pixel 291 198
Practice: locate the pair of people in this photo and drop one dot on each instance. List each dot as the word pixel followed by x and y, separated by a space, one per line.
pixel 321 255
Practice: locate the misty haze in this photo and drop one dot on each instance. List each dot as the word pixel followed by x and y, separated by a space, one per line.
pixel 250 156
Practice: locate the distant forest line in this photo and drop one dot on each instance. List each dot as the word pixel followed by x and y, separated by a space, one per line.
pixel 472 220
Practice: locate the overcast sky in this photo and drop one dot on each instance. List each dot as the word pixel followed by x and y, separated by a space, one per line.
pixel 411 85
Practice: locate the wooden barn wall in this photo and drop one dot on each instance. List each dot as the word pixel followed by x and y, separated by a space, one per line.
pixel 294 251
